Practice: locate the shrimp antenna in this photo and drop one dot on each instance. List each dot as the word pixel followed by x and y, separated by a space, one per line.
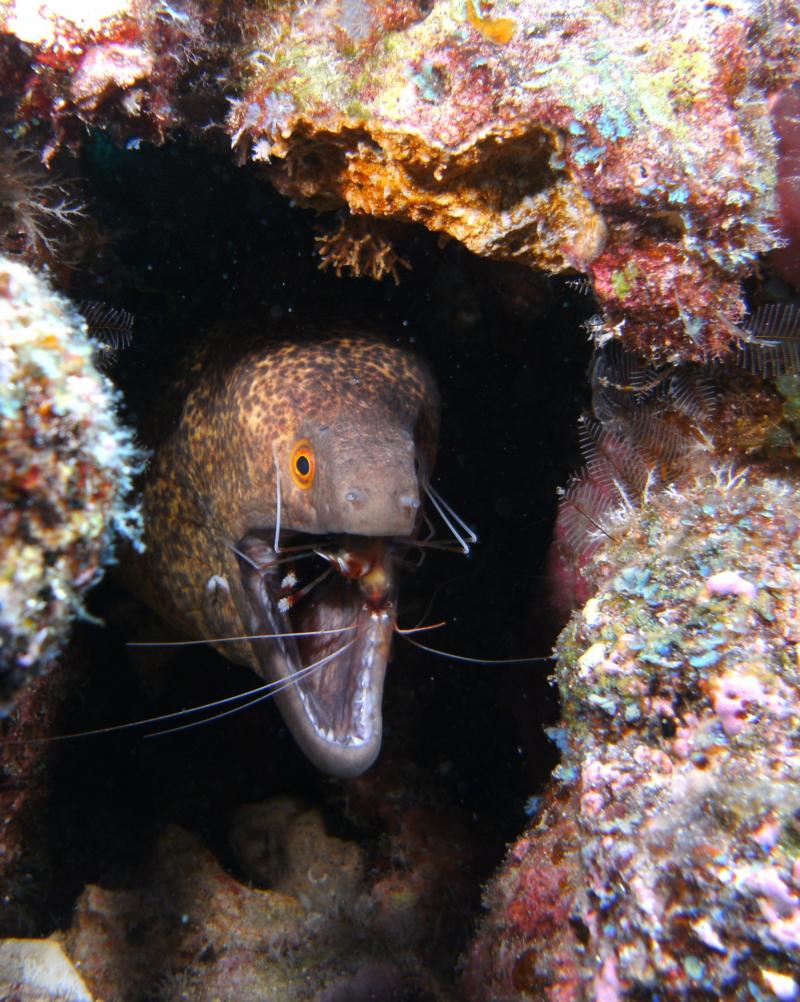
pixel 231 640
pixel 243 556
pixel 445 510
pixel 419 629
pixel 274 688
pixel 474 661
pixel 260 692
pixel 176 715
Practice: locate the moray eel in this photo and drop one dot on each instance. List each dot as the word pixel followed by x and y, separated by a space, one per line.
pixel 335 437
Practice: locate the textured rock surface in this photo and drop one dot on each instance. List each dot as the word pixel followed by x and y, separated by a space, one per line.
pixel 37 970
pixel 632 141
pixel 26 861
pixel 65 466
pixel 111 63
pixel 188 929
pixel 785 109
pixel 665 859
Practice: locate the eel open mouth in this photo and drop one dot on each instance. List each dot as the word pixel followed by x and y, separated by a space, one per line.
pixel 341 594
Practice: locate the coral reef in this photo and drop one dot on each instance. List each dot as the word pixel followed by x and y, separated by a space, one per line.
pixel 788 385
pixel 27 858
pixel 665 857
pixel 630 141
pixel 66 467
pixel 647 424
pixel 321 931
pixel 651 147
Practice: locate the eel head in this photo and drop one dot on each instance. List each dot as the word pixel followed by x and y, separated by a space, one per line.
pixel 328 501
pixel 346 506
pixel 277 506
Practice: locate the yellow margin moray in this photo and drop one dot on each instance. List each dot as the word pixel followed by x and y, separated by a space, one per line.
pixel 317 449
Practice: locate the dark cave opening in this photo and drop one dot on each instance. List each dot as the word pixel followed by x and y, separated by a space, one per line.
pixel 192 241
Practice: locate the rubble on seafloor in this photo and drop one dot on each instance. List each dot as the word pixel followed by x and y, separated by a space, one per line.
pixel 310 923
pixel 629 141
pixel 66 468
pixel 38 970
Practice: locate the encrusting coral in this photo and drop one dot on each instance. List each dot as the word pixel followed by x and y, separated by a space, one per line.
pixel 66 468
pixel 629 141
pixel 665 857
pixel 116 64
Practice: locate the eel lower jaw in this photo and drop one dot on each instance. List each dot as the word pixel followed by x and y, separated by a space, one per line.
pixel 335 714
pixel 330 686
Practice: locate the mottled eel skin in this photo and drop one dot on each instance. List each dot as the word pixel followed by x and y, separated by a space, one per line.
pixel 342 430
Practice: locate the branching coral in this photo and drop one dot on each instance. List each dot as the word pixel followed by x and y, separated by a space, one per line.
pixel 360 247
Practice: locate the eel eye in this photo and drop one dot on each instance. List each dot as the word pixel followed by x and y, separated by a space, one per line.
pixel 302 464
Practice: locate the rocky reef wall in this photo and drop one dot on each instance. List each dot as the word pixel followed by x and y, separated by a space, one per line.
pixel 663 859
pixel 630 142
pixel 67 472
pixel 565 207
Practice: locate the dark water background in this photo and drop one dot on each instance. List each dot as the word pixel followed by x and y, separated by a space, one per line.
pixel 194 241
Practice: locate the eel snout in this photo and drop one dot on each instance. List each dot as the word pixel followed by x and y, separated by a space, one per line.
pixel 372 486
pixel 331 682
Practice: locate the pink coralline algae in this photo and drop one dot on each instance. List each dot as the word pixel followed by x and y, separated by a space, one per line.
pixel 630 141
pixel 735 694
pixel 664 862
pixel 730 583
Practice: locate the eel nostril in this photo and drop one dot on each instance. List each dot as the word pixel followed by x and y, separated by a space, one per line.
pixel 409 502
pixel 354 496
